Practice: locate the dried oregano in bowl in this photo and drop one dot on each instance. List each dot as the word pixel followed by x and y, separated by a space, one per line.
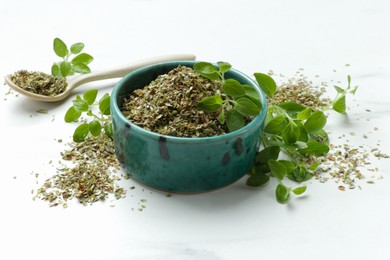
pixel 168 105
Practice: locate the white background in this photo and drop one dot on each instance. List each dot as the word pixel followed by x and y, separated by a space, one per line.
pixel 235 222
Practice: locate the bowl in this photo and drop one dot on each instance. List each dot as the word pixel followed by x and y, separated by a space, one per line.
pixel 182 164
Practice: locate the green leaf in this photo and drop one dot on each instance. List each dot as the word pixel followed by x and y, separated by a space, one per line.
pixel 316 121
pixel 234 120
pixel 72 115
pixel 82 58
pixel 56 71
pixel 290 166
pixel 304 114
pixel 221 117
pixel 299 190
pixel 277 169
pixel 95 127
pixel 246 107
pixel 354 90
pixel 81 132
pixel 300 174
pixel 207 70
pixel 255 101
pixel 349 81
pixel 104 105
pixel 315 148
pixel 339 90
pixel 77 48
pixel 282 193
pixel 276 125
pixel 224 66
pixel 65 68
pixel 291 106
pixel 210 104
pixel 291 133
pixel 268 153
pixel 81 68
pixel 60 48
pixel 339 104
pixel 80 105
pixel 320 136
pixel 251 91
pixel 257 179
pixel 266 83
pixel 315 165
pixel 108 130
pixel 90 96
pixel 303 136
pixel 233 88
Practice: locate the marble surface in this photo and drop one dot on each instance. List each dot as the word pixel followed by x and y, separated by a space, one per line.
pixel 232 223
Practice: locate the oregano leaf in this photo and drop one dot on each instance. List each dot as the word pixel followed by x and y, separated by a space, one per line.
pixel 95 128
pixel 266 83
pixel 299 190
pixel 77 48
pixel 233 88
pixel 224 66
pixel 316 121
pixel 104 105
pixel 339 105
pixel 65 68
pixel 81 132
pixel 277 169
pixel 246 107
pixel 90 96
pixel 84 58
pixel 234 120
pixel 80 105
pixel 210 104
pixel 276 125
pixel 268 153
pixel 206 70
pixel 81 68
pixel 60 48
pixel 315 148
pixel 282 193
pixel 72 115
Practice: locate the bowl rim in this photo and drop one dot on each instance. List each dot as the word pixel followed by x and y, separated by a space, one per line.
pixel 231 135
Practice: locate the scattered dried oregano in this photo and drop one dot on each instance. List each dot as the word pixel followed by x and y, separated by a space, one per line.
pixel 90 179
pixel 168 105
pixel 39 82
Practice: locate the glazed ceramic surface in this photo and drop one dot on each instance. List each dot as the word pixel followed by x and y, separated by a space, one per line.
pixel 182 164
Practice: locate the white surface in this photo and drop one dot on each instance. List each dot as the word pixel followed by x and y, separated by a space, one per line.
pixel 232 223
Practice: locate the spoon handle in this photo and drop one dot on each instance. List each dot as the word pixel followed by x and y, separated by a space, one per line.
pixel 124 70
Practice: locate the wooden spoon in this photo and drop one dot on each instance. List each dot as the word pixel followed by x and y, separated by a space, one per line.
pixel 99 75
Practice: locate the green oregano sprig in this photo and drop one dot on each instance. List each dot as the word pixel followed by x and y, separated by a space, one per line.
pixel 99 123
pixel 70 66
pixel 297 133
pixel 233 102
pixel 339 104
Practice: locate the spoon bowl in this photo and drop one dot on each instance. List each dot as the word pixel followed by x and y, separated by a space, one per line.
pixel 94 76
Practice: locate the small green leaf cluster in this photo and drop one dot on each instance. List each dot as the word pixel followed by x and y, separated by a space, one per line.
pixel 339 104
pixel 294 131
pixel 70 66
pixel 233 102
pixel 100 123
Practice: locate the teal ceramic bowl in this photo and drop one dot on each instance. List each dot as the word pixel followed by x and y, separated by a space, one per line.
pixel 178 164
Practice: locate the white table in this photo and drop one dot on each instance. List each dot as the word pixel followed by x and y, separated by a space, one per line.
pixel 232 223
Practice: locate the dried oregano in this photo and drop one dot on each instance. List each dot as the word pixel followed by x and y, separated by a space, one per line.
pixel 168 105
pixel 90 179
pixel 39 82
